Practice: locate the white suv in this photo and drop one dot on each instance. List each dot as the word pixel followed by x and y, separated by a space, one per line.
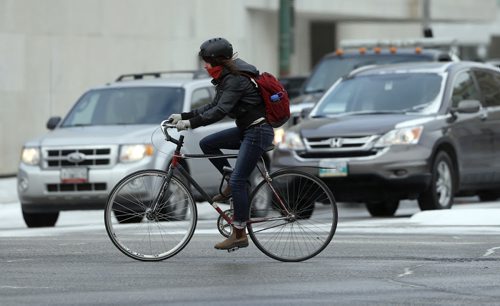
pixel 110 132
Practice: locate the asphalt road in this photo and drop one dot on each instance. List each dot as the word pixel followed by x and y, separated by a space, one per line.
pixel 371 261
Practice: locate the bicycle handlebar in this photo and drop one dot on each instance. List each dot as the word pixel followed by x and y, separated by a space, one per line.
pixel 165 125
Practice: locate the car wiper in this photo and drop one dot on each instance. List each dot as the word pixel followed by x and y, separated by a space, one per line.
pixel 314 91
pixel 372 112
pixel 416 108
pixel 77 125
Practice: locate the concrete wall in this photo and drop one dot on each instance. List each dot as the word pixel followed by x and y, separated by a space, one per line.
pixel 51 51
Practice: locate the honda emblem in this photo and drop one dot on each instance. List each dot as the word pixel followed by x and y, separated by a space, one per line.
pixel 336 142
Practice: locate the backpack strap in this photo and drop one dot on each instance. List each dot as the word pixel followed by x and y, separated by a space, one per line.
pixel 251 77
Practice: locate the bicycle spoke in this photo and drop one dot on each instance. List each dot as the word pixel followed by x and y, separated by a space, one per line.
pixel 145 232
pixel 309 227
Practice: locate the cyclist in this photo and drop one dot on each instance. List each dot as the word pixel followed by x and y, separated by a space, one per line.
pixel 236 97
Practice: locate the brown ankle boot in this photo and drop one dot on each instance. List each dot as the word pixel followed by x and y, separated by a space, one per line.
pixel 238 239
pixel 221 197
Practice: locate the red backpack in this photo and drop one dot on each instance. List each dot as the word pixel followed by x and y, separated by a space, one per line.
pixel 275 97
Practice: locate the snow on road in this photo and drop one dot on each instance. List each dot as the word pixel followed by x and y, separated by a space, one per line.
pixel 473 218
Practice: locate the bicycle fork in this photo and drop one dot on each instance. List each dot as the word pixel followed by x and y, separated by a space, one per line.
pixel 166 182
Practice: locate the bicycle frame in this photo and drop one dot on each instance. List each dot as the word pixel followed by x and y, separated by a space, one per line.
pixel 284 222
pixel 175 164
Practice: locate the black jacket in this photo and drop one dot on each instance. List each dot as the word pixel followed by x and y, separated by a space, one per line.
pixel 236 96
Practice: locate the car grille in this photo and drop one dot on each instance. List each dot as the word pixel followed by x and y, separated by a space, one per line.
pixel 339 147
pixel 55 158
pixel 77 187
pixel 336 154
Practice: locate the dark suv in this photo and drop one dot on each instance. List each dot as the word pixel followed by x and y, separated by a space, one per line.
pixel 425 131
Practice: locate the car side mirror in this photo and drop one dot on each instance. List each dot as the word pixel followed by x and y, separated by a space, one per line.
pixel 304 112
pixel 468 107
pixel 465 107
pixel 53 122
pixel 444 58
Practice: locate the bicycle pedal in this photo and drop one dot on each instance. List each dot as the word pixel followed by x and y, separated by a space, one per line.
pixel 232 249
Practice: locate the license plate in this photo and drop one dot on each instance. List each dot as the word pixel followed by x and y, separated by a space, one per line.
pixel 74 175
pixel 331 168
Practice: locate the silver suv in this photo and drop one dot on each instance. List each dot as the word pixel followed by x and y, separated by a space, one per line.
pixel 110 132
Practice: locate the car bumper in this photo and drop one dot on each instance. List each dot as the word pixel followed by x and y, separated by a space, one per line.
pixel 396 172
pixel 42 190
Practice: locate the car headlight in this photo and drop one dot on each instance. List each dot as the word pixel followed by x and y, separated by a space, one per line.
pixel 291 141
pixel 278 135
pixel 132 153
pixel 30 156
pixel 402 136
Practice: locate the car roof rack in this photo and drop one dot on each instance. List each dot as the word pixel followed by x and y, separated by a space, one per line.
pixel 436 43
pixel 193 74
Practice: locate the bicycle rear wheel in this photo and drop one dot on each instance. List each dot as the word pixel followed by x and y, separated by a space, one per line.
pixel 139 230
pixel 300 223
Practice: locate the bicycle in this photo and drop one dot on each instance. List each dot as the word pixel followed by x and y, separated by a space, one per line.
pixel 151 215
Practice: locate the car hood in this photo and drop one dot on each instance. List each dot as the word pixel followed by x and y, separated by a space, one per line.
pixel 97 135
pixel 296 109
pixel 302 102
pixel 307 98
pixel 356 125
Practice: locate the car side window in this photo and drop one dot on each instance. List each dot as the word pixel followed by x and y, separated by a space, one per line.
pixel 489 83
pixel 464 89
pixel 200 96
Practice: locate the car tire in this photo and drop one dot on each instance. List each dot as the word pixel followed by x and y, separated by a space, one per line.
pixel 37 219
pixel 176 212
pixel 440 193
pixel 306 209
pixel 385 208
pixel 261 204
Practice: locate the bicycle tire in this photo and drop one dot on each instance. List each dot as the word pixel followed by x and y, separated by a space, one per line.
pixel 153 235
pixel 309 226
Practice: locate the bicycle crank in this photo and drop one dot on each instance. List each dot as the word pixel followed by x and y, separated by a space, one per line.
pixel 225 228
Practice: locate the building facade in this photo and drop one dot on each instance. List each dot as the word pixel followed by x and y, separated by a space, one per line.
pixel 51 51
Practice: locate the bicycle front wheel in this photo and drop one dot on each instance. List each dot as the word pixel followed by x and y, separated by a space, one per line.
pixel 300 219
pixel 145 231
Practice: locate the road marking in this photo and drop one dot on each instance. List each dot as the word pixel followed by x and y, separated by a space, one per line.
pixel 490 251
pixel 17 260
pixel 408 271
pixel 22 287
pixel 72 243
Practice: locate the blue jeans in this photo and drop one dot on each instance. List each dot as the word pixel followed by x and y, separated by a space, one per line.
pixel 251 143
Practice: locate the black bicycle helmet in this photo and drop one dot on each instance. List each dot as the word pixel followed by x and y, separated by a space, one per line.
pixel 216 48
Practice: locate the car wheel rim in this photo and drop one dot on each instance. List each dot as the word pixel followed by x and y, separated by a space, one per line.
pixel 443 184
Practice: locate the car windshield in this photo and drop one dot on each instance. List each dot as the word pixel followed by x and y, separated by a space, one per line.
pixel 131 105
pixel 333 68
pixel 383 93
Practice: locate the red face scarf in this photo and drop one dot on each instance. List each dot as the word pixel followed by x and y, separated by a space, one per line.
pixel 215 72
